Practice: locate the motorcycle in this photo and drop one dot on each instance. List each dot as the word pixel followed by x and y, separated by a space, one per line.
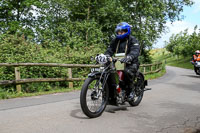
pixel 106 82
pixel 196 67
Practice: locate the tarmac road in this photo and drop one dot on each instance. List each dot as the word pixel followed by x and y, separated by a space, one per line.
pixel 173 106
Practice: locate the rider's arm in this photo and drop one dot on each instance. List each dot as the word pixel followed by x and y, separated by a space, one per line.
pixel 192 58
pixel 134 48
pixel 111 48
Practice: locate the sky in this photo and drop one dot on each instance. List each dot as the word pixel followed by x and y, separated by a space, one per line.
pixel 191 18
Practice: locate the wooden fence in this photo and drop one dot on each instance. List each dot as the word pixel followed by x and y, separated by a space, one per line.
pixel 147 69
pixel 151 68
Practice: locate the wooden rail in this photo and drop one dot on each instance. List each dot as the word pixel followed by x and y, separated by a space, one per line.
pixel 47 64
pixel 18 81
pixel 157 68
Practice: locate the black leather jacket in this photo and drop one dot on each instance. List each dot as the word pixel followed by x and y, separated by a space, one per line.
pixel 133 49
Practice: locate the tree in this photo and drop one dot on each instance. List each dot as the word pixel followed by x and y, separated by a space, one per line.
pixel 183 43
pixel 17 15
pixel 148 17
pixel 89 21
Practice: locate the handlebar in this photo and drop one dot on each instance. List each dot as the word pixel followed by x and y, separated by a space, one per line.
pixel 117 59
pixel 111 59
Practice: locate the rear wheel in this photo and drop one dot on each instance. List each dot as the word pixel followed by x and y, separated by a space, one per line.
pixel 138 91
pixel 93 97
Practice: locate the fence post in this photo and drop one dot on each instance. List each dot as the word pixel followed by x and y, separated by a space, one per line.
pixel 70 76
pixel 155 66
pixel 161 65
pixel 17 77
pixel 144 69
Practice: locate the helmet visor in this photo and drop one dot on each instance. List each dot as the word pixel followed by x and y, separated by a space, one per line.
pixel 120 30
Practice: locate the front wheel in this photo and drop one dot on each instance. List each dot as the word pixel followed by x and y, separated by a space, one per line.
pixel 138 91
pixel 93 97
pixel 198 71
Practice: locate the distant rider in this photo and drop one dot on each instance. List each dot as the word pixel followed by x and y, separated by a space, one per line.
pixel 196 57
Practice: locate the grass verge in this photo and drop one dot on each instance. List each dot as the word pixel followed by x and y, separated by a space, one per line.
pixel 182 62
pixel 155 75
pixel 163 55
pixel 8 95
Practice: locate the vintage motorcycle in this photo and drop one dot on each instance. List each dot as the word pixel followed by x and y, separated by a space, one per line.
pixel 105 82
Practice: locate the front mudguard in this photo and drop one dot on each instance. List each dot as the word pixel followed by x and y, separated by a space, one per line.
pixel 110 86
pixel 98 75
pixel 94 75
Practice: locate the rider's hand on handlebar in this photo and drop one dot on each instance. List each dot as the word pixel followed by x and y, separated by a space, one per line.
pixel 109 58
pixel 102 59
pixel 127 59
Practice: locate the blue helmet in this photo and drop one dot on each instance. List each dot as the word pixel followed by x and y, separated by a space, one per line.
pixel 123 26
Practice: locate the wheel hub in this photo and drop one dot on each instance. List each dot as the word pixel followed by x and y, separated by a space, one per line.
pixel 94 95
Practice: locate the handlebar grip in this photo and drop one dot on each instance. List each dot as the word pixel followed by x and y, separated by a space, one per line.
pixel 128 63
pixel 125 62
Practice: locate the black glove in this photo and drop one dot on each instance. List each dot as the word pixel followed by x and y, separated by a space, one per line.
pixel 127 59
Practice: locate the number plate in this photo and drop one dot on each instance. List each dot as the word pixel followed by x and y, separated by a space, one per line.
pixel 95 70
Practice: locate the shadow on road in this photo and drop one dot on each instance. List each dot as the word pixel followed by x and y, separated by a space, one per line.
pixel 113 109
pixel 77 113
pixel 192 76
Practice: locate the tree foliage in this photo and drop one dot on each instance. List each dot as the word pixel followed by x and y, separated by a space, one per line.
pixel 54 16
pixel 183 43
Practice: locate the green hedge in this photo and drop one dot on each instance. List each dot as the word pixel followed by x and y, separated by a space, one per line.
pixel 15 49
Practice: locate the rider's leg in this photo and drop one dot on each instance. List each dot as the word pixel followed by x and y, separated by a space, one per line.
pixel 130 74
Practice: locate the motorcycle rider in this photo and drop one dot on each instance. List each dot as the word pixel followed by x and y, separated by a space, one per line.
pixel 125 43
pixel 196 57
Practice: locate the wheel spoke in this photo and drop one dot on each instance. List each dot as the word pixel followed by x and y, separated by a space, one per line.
pixel 94 97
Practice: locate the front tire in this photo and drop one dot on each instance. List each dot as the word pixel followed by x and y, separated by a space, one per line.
pixel 93 93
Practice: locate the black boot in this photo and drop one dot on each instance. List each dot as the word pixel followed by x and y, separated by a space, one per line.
pixel 113 101
pixel 130 92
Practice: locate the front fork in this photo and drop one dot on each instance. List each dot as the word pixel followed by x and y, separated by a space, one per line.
pixel 100 84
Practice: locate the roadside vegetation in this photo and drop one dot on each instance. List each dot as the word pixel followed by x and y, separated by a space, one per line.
pixel 170 59
pixel 179 49
pixel 60 31
pixel 8 95
pixel 156 75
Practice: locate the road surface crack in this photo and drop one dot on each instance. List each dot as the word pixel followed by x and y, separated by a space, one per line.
pixel 188 126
